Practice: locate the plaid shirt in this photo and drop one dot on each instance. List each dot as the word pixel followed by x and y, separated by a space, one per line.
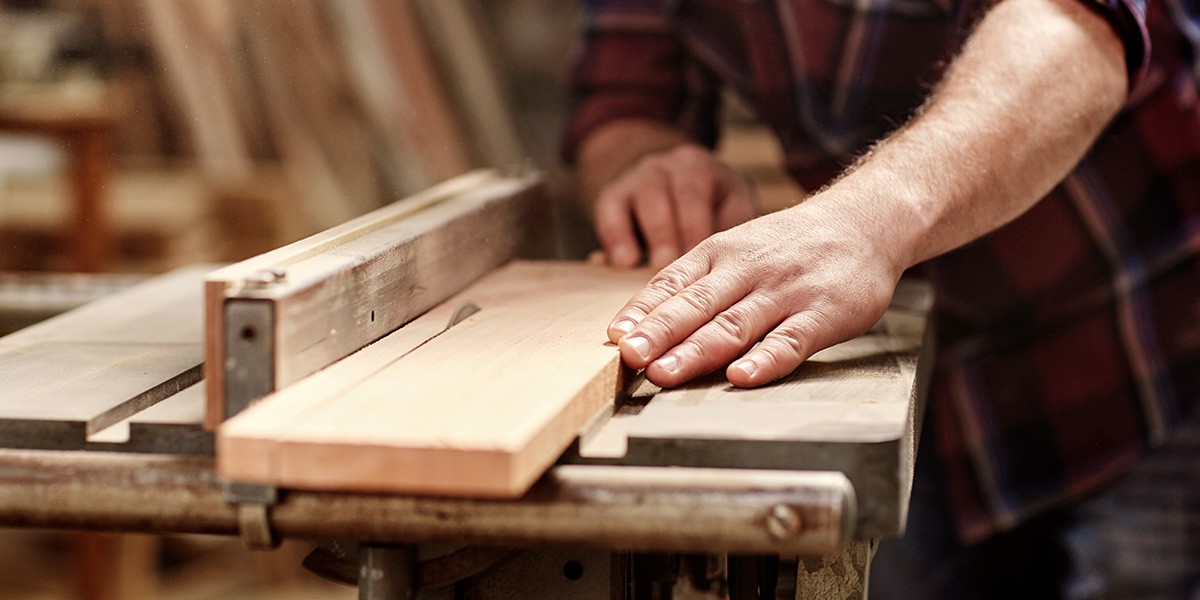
pixel 1069 340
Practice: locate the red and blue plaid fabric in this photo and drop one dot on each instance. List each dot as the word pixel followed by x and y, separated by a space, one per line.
pixel 1069 340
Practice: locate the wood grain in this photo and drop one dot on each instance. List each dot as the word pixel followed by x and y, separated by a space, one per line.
pixel 349 286
pixel 479 410
pixel 99 363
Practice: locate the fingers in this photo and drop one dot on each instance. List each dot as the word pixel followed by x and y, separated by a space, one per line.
pixel 614 227
pixel 677 317
pixel 656 218
pixel 739 201
pixel 648 202
pixel 666 284
pixel 693 182
pixel 675 200
pixel 781 351
pixel 729 334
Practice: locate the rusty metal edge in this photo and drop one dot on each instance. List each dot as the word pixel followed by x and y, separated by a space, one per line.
pixel 623 508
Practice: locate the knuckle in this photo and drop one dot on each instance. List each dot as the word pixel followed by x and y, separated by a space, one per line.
pixel 609 198
pixel 669 280
pixel 736 325
pixel 691 349
pixel 663 328
pixel 700 297
pixel 786 345
pixel 685 152
pixel 643 305
pixel 651 167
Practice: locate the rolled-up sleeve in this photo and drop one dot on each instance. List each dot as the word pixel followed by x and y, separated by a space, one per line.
pixel 633 65
pixel 1128 19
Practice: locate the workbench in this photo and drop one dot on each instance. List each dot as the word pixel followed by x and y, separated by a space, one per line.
pixel 104 410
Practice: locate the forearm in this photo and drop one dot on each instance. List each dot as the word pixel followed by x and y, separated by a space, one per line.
pixel 1030 92
pixel 614 147
pixel 1033 88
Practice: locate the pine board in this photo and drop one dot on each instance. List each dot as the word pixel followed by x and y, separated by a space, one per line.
pixel 481 409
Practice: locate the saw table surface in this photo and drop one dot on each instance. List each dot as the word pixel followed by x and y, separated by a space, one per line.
pixel 114 375
pixel 68 379
pixel 813 464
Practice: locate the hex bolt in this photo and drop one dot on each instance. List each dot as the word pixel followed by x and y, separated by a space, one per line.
pixel 783 522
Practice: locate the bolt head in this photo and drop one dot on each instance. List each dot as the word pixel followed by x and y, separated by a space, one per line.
pixel 266 277
pixel 783 522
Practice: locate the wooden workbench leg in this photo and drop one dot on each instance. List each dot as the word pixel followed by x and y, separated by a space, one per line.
pixel 837 576
pixel 91 241
pixel 110 566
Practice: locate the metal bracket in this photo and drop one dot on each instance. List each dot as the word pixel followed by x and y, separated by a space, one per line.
pixel 254 502
pixel 249 352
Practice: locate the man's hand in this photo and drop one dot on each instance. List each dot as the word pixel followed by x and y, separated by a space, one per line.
pixel 1035 85
pixel 805 278
pixel 674 199
pixel 647 178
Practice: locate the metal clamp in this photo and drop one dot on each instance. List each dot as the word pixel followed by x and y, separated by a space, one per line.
pixel 254 502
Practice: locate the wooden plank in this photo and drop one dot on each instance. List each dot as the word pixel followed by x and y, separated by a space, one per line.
pixel 480 410
pixel 353 284
pixel 99 364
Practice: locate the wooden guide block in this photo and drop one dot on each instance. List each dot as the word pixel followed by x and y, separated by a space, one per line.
pixel 481 409
pixel 349 286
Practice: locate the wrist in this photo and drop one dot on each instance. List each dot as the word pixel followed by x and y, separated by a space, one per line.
pixel 885 210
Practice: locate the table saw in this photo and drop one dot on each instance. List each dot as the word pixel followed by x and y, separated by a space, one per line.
pixel 110 416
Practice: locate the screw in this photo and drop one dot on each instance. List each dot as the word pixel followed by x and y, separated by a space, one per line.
pixel 783 522
pixel 266 277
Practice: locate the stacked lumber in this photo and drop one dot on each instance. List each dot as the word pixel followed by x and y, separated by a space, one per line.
pixel 357 102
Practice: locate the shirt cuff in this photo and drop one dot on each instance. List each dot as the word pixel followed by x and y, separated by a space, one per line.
pixel 1128 19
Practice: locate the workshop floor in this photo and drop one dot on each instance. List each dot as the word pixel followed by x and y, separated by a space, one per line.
pixel 38 565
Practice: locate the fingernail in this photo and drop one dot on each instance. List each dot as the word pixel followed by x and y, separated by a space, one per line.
pixel 639 345
pixel 746 366
pixel 624 326
pixel 667 363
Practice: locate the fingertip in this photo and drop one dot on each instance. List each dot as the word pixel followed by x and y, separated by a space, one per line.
pixel 664 371
pixel 668 364
pixel 597 258
pixel 744 373
pixel 635 350
pixel 624 255
pixel 620 328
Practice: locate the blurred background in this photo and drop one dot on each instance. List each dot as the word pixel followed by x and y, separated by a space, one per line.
pixel 137 136
pixel 211 130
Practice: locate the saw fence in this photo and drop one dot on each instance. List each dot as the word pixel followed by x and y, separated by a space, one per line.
pixel 282 396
